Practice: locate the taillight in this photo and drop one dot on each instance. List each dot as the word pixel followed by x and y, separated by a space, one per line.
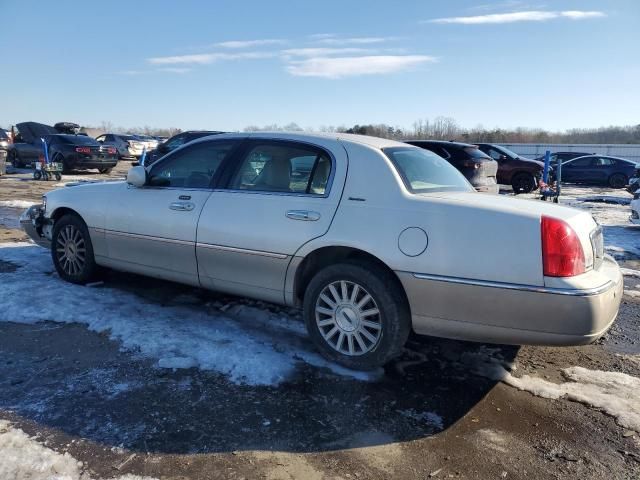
pixel 562 253
pixel 112 151
pixel 83 149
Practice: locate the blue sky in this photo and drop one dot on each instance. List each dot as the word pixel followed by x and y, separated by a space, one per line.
pixel 228 64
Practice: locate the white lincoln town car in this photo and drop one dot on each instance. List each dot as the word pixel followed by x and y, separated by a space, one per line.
pixel 370 237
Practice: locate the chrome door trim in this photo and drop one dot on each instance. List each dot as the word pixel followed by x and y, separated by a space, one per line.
pixel 246 251
pixel 515 286
pixel 149 237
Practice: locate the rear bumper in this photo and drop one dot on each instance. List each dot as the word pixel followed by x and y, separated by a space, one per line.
pixel 635 212
pixel 512 314
pixel 79 164
pixel 36 225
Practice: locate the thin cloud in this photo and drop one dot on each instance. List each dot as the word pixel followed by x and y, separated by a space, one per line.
pixel 322 51
pixel 353 41
pixel 340 67
pixel 131 72
pixel 207 58
pixel 512 17
pixel 237 44
pixel 177 70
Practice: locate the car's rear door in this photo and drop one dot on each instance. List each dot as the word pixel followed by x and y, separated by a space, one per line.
pixel 152 229
pixel 250 230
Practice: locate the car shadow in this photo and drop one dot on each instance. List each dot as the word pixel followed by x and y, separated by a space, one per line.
pixel 81 382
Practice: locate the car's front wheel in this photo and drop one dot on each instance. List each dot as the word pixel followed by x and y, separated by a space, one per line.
pixel 523 183
pixel 356 315
pixel 72 250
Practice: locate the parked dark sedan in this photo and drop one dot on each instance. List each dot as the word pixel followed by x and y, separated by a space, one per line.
pixel 521 173
pixel 564 156
pixel 176 141
pixel 599 170
pixel 80 152
pixel 475 165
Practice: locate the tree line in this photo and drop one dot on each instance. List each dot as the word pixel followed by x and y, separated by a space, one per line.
pixel 439 128
pixel 446 128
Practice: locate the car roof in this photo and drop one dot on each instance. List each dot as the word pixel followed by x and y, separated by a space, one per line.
pixel 601 156
pixel 374 142
pixel 446 142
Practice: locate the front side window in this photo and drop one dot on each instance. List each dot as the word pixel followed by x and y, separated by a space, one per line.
pixel 424 172
pixel 580 162
pixel 283 167
pixel 192 167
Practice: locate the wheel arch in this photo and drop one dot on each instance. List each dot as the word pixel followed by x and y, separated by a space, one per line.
pixel 59 212
pixel 321 257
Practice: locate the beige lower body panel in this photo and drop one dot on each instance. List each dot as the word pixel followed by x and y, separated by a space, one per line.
pixel 508 316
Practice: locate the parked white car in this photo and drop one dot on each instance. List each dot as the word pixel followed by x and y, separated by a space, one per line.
pixel 371 237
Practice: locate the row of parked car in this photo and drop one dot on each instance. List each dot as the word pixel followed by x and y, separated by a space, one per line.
pixel 485 165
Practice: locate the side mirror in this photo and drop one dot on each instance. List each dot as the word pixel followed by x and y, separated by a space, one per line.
pixel 503 158
pixel 137 176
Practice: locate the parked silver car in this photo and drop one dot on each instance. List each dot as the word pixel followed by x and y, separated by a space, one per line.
pixel 371 237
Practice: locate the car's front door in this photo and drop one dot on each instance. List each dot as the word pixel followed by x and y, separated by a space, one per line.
pixel 281 195
pixel 152 229
pixel 579 170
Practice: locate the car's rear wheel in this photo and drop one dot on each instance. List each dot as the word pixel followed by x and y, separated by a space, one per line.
pixel 15 159
pixel 618 180
pixel 58 158
pixel 72 250
pixel 105 170
pixel 523 183
pixel 356 315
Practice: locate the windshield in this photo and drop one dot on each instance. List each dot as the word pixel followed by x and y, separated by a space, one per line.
pixel 424 172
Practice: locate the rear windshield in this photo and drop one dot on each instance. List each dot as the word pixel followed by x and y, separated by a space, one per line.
pixel 424 172
pixel 77 139
pixel 475 152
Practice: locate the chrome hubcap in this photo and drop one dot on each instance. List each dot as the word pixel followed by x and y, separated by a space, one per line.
pixel 348 318
pixel 70 250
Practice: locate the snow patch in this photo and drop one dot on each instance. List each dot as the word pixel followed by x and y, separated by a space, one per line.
pixel 16 203
pixel 249 345
pixel 614 393
pixel 23 457
pixel 629 272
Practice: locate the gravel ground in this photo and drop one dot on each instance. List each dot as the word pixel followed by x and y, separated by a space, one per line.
pixel 431 414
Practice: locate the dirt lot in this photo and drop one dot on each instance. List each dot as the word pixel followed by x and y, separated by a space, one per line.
pixel 246 396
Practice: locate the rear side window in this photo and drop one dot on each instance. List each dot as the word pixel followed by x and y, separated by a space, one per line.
pixel 424 172
pixel 284 168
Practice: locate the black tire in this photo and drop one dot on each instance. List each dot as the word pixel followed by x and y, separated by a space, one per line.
pixel 523 183
pixel 72 226
pixel 15 160
pixel 618 180
pixel 105 170
pixel 394 317
pixel 58 158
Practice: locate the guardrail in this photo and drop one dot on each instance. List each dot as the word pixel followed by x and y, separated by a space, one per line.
pixel 534 150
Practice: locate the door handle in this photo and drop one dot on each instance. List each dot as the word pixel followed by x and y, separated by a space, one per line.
pixel 182 206
pixel 305 215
